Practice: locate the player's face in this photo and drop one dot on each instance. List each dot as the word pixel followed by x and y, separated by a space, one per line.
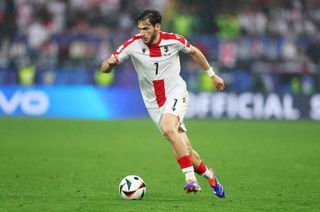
pixel 149 33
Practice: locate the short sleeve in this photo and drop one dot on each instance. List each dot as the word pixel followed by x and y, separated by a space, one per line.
pixel 184 44
pixel 122 53
pixel 125 50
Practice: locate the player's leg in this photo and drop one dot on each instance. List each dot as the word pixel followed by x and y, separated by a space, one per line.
pixel 195 157
pixel 170 126
pixel 201 168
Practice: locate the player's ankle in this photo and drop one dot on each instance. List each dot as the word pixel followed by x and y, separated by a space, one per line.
pixel 190 176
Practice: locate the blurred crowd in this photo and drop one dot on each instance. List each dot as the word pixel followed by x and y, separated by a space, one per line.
pixel 256 45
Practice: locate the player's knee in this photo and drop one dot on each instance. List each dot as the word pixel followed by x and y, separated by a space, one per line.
pixel 168 131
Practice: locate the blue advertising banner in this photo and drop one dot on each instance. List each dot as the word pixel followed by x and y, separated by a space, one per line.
pixel 88 102
pixel 91 102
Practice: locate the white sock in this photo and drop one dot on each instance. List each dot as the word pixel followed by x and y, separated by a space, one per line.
pixel 189 173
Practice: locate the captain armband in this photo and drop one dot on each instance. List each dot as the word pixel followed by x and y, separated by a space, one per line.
pixel 210 72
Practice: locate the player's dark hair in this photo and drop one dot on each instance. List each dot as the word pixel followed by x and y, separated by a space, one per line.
pixel 154 17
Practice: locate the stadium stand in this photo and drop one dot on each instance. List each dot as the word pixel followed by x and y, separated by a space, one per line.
pixel 256 45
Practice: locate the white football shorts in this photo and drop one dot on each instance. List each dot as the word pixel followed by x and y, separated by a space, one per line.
pixel 177 105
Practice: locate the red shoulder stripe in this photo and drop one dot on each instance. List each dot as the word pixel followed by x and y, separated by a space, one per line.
pixel 172 36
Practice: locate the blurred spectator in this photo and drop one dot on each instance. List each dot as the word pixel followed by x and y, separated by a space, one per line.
pixel 58 9
pixel 244 53
pixel 228 26
pixel 227 54
pixel 37 35
pixel 252 21
pixel 289 50
pixel 27 75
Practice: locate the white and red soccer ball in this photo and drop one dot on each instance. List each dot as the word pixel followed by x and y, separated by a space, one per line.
pixel 132 187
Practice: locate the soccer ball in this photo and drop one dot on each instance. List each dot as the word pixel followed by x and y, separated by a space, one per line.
pixel 132 187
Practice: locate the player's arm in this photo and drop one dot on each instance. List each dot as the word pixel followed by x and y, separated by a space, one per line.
pixel 109 64
pixel 198 56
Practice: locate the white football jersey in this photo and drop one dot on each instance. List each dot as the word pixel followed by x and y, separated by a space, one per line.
pixel 157 65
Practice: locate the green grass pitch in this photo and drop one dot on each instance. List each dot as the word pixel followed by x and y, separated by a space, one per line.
pixel 72 165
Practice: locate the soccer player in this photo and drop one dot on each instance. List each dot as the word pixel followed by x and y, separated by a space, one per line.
pixel 155 56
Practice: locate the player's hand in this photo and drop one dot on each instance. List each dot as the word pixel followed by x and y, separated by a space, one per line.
pixel 113 60
pixel 109 63
pixel 218 82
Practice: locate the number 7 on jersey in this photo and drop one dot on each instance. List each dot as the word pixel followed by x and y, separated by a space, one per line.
pixel 157 67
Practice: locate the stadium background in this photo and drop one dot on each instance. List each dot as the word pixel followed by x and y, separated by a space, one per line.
pixel 68 134
pixel 267 51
